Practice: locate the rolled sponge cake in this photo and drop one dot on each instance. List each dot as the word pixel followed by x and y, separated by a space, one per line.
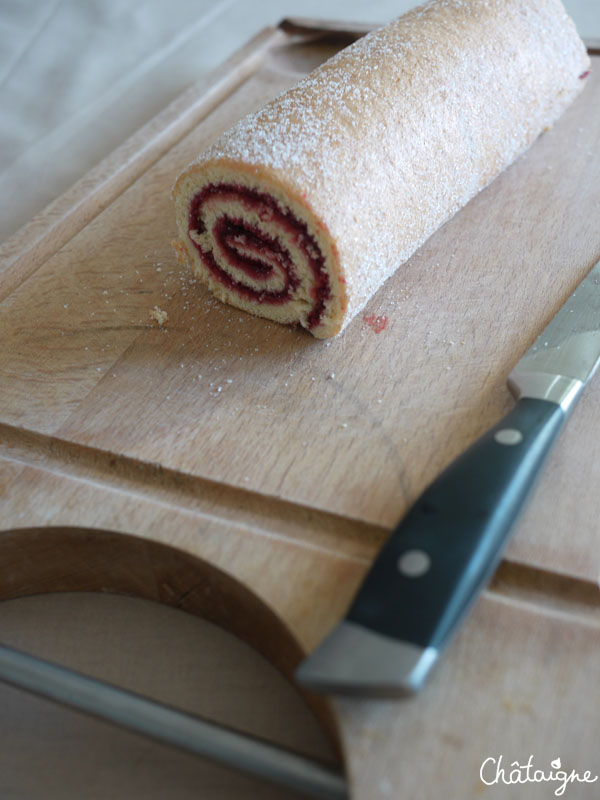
pixel 302 210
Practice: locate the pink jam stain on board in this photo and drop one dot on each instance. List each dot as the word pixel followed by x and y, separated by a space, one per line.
pixel 377 322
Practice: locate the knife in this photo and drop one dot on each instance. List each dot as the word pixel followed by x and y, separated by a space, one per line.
pixel 442 554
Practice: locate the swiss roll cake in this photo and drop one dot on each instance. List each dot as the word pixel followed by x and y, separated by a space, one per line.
pixel 304 208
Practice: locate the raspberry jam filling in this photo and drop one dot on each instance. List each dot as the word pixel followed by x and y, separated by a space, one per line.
pixel 256 253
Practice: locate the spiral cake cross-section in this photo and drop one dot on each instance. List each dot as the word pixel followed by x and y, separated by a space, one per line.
pixel 261 252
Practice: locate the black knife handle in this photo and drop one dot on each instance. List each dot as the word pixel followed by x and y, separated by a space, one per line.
pixel 445 550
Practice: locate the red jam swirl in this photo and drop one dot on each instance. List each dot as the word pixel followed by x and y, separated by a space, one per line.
pixel 256 253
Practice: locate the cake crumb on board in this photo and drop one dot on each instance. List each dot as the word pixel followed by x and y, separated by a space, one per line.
pixel 160 316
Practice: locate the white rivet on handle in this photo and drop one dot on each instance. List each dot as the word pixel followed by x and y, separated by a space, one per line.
pixel 508 436
pixel 414 563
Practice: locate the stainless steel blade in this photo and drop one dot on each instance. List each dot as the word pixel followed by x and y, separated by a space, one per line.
pixel 567 352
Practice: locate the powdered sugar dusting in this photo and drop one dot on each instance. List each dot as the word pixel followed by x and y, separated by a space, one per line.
pixel 390 137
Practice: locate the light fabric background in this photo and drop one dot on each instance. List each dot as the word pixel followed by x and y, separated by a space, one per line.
pixel 76 79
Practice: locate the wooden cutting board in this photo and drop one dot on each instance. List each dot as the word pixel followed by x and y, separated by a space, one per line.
pixel 247 472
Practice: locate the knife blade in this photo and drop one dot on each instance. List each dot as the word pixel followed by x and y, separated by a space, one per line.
pixel 442 554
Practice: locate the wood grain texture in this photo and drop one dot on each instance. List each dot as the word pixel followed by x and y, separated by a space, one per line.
pixel 512 686
pixel 402 404
pixel 247 472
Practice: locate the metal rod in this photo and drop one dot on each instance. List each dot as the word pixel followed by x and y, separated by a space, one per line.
pixel 128 710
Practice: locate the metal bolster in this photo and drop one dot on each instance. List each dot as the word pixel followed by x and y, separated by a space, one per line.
pixel 557 389
pixel 354 660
